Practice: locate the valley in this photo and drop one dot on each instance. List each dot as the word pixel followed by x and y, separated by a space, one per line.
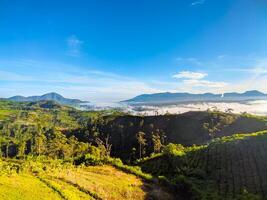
pixel 67 153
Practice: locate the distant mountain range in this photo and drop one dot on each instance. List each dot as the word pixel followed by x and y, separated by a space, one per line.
pixel 168 98
pixel 47 97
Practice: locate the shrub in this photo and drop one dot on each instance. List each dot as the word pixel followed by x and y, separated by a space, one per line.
pixel 88 160
pixel 174 150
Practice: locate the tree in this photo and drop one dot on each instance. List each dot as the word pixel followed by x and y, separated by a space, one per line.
pixel 58 146
pixel 142 142
pixel 39 141
pixel 156 142
pixel 104 146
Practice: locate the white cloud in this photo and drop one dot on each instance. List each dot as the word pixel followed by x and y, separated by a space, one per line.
pixel 73 82
pixel 196 79
pixel 74 46
pixel 190 75
pixel 198 2
pixel 24 77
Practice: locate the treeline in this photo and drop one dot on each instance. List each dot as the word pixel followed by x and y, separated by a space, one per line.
pixel 18 140
pixel 134 137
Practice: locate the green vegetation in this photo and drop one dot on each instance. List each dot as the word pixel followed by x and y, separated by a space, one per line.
pixel 231 167
pixel 45 178
pixel 64 153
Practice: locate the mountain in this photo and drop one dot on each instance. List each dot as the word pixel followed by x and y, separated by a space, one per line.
pixel 166 98
pixel 47 97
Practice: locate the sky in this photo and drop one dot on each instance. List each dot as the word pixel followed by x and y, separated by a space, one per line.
pixel 112 50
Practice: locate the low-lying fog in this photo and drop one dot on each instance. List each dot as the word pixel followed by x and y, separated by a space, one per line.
pixel 258 107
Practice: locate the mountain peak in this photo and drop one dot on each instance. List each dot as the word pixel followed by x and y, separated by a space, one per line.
pixel 52 96
pixel 253 93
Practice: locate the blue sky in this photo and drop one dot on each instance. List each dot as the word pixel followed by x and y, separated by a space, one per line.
pixel 110 50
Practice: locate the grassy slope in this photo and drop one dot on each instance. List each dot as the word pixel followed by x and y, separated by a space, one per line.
pixel 22 187
pixel 95 182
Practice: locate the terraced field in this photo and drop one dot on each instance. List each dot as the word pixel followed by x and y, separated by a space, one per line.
pixel 229 167
pixel 235 164
pixel 99 182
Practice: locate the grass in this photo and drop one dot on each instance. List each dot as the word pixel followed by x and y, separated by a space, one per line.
pixel 66 190
pixel 24 187
pixel 236 137
pixel 60 181
pixel 5 114
pixel 105 181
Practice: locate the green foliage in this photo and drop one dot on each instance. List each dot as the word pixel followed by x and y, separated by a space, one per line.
pixel 157 144
pixel 92 160
pixel 89 160
pixel 174 150
pixel 197 171
pixel 236 137
pixel 140 136
pixel 46 138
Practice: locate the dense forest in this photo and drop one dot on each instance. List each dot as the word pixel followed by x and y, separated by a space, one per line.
pixel 176 154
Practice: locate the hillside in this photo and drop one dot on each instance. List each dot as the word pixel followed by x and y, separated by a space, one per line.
pixel 43 180
pixel 25 124
pixel 167 98
pixel 66 153
pixel 227 167
pixel 186 129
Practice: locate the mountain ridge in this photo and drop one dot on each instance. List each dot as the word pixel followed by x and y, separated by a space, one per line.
pixel 52 96
pixel 168 97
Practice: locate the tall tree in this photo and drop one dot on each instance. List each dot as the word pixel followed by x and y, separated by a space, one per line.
pixel 142 142
pixel 157 145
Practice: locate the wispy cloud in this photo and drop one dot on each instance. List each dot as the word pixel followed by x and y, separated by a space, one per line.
pixel 237 73
pixel 196 79
pixel 74 46
pixel 190 75
pixel 31 77
pixel 74 82
pixel 198 2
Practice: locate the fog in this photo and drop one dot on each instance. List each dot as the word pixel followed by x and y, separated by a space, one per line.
pixel 258 107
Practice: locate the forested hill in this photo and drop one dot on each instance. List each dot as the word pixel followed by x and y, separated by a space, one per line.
pixel 47 128
pixel 194 155
pixel 186 129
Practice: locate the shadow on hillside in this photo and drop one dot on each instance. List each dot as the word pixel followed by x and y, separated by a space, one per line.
pixel 156 192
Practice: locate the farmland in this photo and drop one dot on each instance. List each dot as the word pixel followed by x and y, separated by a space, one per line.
pixel 31 180
pixel 229 167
